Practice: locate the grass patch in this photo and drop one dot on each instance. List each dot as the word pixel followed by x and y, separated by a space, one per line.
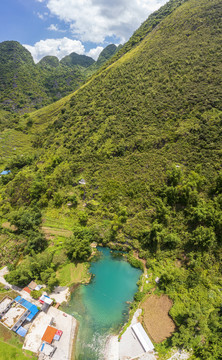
pixel 10 247
pixel 12 352
pixel 13 142
pixel 73 274
pixel 11 293
pixel 58 219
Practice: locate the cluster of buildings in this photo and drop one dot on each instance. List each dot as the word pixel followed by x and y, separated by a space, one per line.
pixel 16 314
pixel 24 318
pixel 32 286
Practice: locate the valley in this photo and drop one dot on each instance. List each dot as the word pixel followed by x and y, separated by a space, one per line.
pixel 128 158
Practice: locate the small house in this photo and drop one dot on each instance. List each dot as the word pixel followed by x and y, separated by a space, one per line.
pixel 32 285
pixel 45 299
pixel 27 290
pixel 38 287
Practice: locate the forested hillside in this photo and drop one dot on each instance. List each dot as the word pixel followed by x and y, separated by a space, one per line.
pixel 132 159
pixel 27 86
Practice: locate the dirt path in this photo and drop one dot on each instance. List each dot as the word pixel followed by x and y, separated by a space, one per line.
pixel 3 272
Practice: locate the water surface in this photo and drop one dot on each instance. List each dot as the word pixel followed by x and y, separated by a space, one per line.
pixel 101 306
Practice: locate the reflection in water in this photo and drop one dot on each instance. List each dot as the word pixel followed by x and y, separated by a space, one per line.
pixel 100 307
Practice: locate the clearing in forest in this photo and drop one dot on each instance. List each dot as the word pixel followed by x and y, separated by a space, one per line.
pixel 156 317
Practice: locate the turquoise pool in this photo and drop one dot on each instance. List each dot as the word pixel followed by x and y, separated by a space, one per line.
pixel 102 306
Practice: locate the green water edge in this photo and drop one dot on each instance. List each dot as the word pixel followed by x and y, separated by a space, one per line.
pixel 102 306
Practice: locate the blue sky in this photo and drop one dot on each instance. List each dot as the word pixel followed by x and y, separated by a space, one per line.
pixel 58 27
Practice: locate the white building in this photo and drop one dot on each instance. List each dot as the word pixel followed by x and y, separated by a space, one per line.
pixel 142 337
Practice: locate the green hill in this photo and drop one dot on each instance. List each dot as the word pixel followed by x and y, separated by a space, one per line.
pixel 49 62
pixel 19 87
pixel 104 56
pixel 153 100
pixel 26 86
pixel 75 59
pixel 144 133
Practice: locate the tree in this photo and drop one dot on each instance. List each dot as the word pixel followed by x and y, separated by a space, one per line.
pixel 174 176
pixel 78 246
pixel 52 282
pixel 203 238
pixel 83 218
pixel 26 218
pixel 36 241
pixel 36 293
pixel 37 187
pixel 219 183
pixel 171 240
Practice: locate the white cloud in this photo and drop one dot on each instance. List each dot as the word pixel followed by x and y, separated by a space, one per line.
pixel 94 20
pixel 55 47
pixel 54 27
pixel 94 53
pixel 40 16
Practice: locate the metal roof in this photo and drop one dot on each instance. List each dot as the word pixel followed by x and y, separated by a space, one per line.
pixel 21 331
pixel 142 337
pixel 49 334
pixel 29 306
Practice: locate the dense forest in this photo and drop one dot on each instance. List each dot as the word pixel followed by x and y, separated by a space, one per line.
pixel 131 160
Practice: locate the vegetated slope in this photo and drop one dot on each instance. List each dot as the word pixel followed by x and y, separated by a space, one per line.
pixel 19 87
pixel 158 99
pixel 58 79
pixel 27 86
pixel 145 135
pixel 147 26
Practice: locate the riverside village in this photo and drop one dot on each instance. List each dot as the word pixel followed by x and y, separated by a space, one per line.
pixel 51 333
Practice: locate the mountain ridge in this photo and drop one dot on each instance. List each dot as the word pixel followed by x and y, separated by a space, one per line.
pixel 51 78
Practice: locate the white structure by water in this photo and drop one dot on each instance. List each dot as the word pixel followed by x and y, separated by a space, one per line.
pixel 142 337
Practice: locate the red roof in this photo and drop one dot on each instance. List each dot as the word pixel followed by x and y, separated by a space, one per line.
pixel 27 290
pixel 49 334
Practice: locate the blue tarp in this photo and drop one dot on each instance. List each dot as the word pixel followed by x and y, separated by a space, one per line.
pixel 5 172
pixel 21 331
